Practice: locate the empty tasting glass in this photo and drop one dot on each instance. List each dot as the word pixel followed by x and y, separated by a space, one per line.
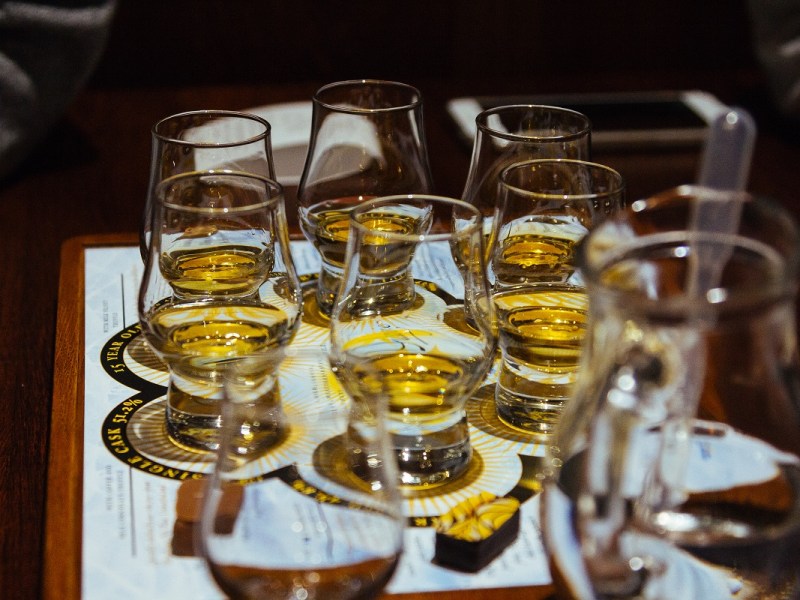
pixel 203 140
pixel 546 207
pixel 367 140
pixel 513 133
pixel 284 519
pixel 676 464
pixel 219 284
pixel 413 272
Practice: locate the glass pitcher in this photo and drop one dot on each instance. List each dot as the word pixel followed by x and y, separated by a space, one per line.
pixel 676 466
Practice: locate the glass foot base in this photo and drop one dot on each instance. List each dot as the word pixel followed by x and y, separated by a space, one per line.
pixel 434 466
pixel 528 414
pixel 192 432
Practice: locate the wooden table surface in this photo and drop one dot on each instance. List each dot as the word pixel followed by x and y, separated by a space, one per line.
pixel 90 177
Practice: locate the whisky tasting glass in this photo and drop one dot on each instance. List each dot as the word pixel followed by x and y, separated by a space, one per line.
pixel 676 465
pixel 203 140
pixel 545 208
pixel 285 520
pixel 367 140
pixel 219 284
pixel 518 132
pixel 413 264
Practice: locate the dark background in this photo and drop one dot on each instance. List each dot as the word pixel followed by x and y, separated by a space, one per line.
pixel 477 47
pixel 177 42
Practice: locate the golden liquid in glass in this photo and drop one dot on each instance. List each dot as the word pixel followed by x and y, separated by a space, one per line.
pixel 361 580
pixel 235 270
pixel 528 257
pixel 212 332
pixel 327 226
pixel 420 387
pixel 547 337
pixel 541 333
pixel 198 341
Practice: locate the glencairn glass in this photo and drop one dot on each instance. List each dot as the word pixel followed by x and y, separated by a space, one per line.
pixel 284 519
pixel 203 140
pixel 219 284
pixel 518 132
pixel 676 465
pixel 413 264
pixel 545 208
pixel 367 140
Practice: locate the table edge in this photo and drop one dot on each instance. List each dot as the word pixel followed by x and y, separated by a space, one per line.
pixel 61 572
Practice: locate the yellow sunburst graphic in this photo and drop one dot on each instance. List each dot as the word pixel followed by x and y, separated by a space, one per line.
pixel 316 406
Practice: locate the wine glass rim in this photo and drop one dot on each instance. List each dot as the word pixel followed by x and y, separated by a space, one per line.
pixel 594 271
pixel 615 176
pixel 480 121
pixel 476 226
pixel 271 185
pixel 212 114
pixel 595 256
pixel 415 102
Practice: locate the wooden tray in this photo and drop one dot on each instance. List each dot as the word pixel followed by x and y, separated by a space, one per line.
pixel 63 521
pixel 64 503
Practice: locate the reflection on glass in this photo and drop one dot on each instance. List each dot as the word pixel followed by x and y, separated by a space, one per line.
pixel 546 207
pixel 514 133
pixel 289 519
pixel 678 458
pixel 410 260
pixel 367 140
pixel 203 140
pixel 219 284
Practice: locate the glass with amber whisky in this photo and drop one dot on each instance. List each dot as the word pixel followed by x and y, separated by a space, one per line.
pixel 219 284
pixel 367 140
pixel 546 207
pixel 411 263
pixel 512 133
pixel 201 140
